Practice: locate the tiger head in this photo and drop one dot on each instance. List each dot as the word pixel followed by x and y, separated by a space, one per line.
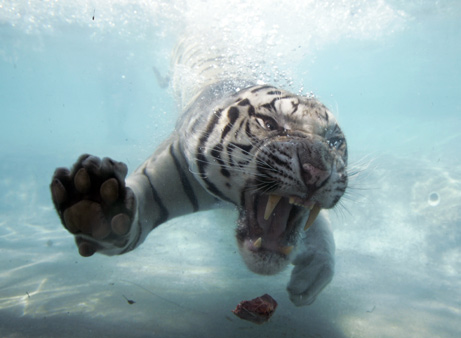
pixel 280 158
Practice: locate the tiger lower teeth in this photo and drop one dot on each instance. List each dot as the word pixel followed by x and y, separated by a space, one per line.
pixel 304 204
pixel 286 250
pixel 272 202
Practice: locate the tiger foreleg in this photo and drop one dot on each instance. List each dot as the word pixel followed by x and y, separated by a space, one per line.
pixel 112 216
pixel 314 264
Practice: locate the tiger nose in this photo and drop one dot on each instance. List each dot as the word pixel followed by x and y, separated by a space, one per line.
pixel 313 175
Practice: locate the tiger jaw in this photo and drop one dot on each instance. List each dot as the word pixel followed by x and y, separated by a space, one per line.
pixel 268 230
pixel 314 208
pixel 276 222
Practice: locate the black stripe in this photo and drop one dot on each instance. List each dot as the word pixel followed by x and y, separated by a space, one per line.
pixel 246 148
pixel 257 89
pixel 251 111
pixel 248 130
pixel 245 102
pixel 274 92
pixel 226 130
pixel 279 163
pixel 163 211
pixel 202 161
pixel 239 128
pixel 272 158
pixel 249 133
pixel 230 148
pixel 185 182
pixel 295 107
pixel 243 163
pixel 271 106
pixel 233 114
pixel 281 152
pixel 215 191
pixel 216 153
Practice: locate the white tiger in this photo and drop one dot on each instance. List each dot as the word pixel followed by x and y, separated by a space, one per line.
pixel 278 157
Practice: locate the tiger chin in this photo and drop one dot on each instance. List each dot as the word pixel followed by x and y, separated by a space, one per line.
pixel 279 158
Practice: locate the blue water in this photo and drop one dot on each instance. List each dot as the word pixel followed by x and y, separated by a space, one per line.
pixel 389 70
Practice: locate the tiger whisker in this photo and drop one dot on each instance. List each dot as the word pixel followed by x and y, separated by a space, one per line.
pixel 266 165
pixel 236 169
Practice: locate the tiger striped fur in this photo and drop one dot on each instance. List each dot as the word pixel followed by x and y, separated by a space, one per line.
pixel 278 157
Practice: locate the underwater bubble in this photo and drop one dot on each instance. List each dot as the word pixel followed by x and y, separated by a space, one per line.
pixel 433 199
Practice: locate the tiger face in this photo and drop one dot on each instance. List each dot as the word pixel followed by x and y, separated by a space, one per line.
pixel 280 158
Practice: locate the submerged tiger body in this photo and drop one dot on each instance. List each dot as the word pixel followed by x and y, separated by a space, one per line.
pixel 278 157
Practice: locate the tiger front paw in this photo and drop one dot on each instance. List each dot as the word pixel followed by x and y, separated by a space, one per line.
pixel 314 264
pixel 312 272
pixel 94 204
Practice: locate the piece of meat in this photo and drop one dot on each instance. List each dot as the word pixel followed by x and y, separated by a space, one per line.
pixel 257 310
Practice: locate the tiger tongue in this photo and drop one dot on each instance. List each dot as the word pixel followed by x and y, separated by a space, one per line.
pixel 272 215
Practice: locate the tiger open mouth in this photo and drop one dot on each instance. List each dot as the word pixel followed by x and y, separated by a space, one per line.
pixel 268 228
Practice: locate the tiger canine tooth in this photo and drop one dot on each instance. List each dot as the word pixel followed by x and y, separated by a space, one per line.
pixel 286 250
pixel 272 202
pixel 257 243
pixel 291 200
pixel 312 216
